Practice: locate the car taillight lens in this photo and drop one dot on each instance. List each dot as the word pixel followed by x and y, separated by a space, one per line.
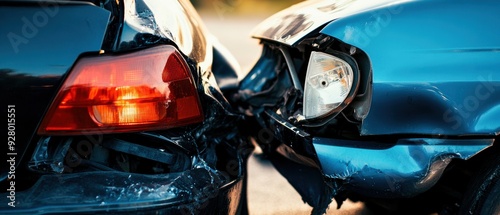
pixel 328 83
pixel 146 90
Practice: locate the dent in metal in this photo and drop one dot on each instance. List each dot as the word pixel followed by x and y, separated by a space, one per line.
pixel 403 169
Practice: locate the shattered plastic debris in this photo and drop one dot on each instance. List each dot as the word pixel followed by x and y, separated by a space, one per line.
pixel 112 190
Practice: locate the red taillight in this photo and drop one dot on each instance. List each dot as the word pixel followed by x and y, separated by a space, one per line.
pixel 146 90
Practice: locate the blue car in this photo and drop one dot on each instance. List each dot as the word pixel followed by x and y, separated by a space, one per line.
pixel 394 103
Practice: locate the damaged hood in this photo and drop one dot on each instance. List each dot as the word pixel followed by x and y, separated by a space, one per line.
pixel 290 25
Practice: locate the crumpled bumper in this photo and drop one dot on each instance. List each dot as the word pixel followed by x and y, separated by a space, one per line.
pixel 200 190
pixel 391 169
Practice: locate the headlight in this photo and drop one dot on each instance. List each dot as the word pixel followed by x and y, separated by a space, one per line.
pixel 328 84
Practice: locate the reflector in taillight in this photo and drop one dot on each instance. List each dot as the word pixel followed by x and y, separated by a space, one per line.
pixel 145 90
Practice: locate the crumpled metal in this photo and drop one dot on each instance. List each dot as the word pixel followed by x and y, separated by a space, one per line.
pixel 69 193
pixel 404 169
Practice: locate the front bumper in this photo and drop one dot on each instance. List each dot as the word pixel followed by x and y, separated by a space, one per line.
pixel 403 168
pixel 201 190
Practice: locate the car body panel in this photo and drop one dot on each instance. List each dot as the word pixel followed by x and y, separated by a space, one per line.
pixel 35 60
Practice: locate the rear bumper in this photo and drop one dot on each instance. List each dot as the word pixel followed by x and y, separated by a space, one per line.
pixel 201 190
pixel 403 168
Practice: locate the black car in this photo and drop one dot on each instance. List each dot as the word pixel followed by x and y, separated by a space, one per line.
pixel 117 106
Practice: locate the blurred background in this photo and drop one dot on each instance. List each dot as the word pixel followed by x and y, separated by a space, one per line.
pixel 232 21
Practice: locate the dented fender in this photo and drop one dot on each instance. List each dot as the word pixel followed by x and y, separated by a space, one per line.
pixel 404 169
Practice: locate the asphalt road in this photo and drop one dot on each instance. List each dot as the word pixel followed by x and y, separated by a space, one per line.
pixel 268 191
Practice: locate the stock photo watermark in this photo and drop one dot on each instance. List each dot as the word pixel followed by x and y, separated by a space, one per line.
pixel 11 154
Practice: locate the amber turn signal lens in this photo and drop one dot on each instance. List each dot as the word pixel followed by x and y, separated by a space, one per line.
pixel 146 90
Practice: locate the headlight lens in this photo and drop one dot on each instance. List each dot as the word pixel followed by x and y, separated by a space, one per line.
pixel 328 83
